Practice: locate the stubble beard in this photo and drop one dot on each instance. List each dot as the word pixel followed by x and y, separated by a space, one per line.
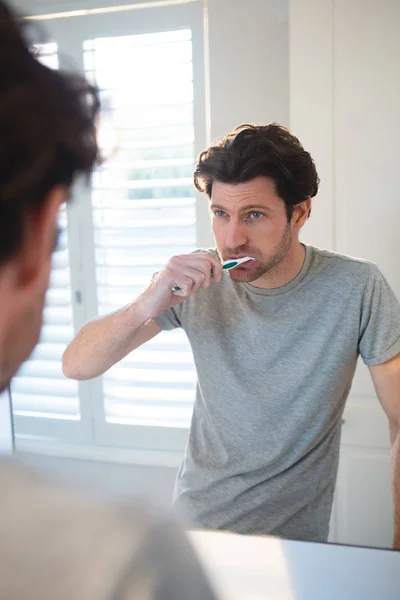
pixel 261 267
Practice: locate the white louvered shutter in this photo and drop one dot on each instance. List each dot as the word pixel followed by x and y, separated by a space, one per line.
pixel 39 390
pixel 144 209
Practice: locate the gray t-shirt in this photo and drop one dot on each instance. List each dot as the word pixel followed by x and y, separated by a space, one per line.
pixel 274 371
pixel 61 544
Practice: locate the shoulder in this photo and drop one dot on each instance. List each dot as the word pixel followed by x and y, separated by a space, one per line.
pixel 62 529
pixel 338 264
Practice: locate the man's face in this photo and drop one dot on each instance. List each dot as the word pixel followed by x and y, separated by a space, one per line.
pixel 23 284
pixel 249 219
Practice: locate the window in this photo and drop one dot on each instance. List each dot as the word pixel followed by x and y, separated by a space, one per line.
pixel 139 211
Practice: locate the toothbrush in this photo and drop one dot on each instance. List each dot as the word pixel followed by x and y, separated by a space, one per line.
pixel 227 265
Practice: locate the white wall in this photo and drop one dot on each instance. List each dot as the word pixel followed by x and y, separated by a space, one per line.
pixel 249 63
pixel 344 106
pixel 311 105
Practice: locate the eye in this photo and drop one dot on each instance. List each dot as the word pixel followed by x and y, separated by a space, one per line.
pixel 255 215
pixel 219 213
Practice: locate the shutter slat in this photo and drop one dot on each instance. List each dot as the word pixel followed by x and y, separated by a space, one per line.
pixel 59 278
pixel 144 184
pixel 149 164
pixel 57 315
pixel 157 416
pixel 148 95
pixel 45 386
pixel 130 258
pixel 41 368
pixel 185 216
pixel 59 297
pixel 132 375
pixel 60 260
pixel 50 352
pixel 114 220
pixel 58 407
pixel 162 395
pixel 120 237
pixel 101 200
pixel 57 334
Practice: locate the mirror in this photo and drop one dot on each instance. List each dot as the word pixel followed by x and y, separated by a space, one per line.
pixel 327 70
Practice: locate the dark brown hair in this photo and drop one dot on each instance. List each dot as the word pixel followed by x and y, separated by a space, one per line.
pixel 47 130
pixel 253 150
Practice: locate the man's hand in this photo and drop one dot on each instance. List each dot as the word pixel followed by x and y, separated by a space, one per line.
pixel 189 272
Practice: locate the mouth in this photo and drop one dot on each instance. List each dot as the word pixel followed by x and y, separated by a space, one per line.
pixel 238 256
pixel 243 266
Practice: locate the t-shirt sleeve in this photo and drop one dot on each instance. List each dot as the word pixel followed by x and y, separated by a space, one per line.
pixel 379 339
pixel 170 318
pixel 166 568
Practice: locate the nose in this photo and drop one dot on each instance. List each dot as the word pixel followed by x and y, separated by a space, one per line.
pixel 235 234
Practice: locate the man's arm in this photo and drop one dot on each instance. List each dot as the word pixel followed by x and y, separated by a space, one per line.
pixel 386 378
pixel 102 343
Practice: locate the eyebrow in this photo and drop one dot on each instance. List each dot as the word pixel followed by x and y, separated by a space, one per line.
pixel 245 208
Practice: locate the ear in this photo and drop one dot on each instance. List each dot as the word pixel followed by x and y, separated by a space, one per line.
pixel 301 213
pixel 33 260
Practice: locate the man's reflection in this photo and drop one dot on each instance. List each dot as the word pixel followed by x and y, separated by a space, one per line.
pixel 275 342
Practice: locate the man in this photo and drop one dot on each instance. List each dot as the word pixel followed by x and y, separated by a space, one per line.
pixel 275 341
pixel 58 543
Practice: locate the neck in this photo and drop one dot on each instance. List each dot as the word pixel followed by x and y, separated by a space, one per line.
pixel 286 271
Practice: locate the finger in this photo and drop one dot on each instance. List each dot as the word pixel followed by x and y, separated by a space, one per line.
pixel 203 262
pixel 215 264
pixel 183 284
pixel 197 277
pixel 217 271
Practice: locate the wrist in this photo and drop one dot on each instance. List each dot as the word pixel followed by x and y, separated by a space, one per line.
pixel 140 310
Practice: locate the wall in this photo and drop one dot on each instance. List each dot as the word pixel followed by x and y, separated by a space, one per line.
pixel 344 106
pixel 249 63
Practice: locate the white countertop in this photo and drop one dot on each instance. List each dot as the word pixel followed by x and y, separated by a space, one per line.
pixel 268 568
